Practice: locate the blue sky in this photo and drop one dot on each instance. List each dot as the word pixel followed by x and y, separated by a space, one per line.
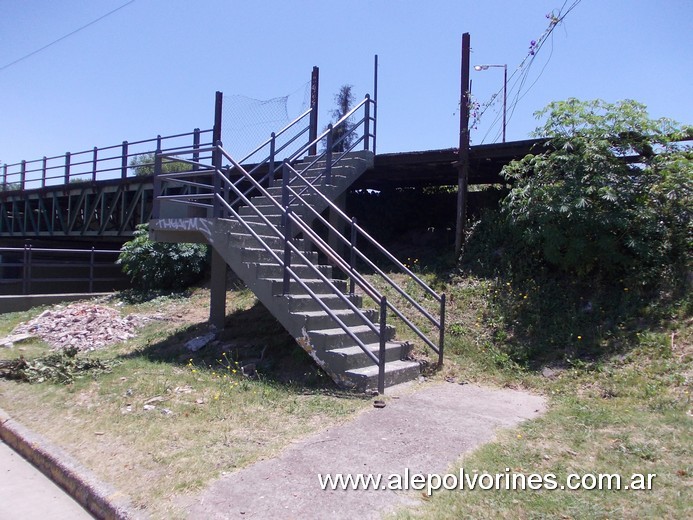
pixel 153 66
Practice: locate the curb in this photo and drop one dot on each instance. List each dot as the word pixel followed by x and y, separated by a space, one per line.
pixel 101 500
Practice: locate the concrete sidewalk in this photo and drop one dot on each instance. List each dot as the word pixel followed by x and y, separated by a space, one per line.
pixel 423 431
pixel 28 494
pixel 33 469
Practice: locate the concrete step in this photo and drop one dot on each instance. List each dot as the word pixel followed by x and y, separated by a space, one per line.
pixel 246 240
pixel 351 358
pixel 315 285
pixel 273 270
pixel 305 303
pixel 257 254
pixel 396 372
pixel 313 320
pixel 329 339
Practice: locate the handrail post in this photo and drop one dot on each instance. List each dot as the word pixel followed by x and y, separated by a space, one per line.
pixel 285 186
pixel 328 155
pixel 381 353
pixel 313 124
pixel 156 202
pixel 216 162
pixel 22 178
pixel 43 171
pixel 273 138
pixel 67 168
pixel 25 270
pixel 91 270
pixel 375 101
pixel 287 251
pixel 196 147
pixel 441 341
pixel 352 258
pixel 124 160
pixel 4 177
pixel 94 164
pixel 366 122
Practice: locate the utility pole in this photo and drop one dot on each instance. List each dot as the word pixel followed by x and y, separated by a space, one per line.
pixel 463 157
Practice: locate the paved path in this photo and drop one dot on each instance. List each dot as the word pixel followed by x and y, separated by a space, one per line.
pixel 26 494
pixel 423 431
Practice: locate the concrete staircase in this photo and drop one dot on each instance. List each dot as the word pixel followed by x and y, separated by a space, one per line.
pixel 252 248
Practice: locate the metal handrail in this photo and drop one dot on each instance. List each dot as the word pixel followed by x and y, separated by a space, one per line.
pixel 87 165
pixel 293 275
pixel 293 194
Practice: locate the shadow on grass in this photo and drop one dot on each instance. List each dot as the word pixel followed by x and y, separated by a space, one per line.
pixel 252 338
pixel 542 316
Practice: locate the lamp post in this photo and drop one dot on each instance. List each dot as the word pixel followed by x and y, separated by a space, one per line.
pixel 505 88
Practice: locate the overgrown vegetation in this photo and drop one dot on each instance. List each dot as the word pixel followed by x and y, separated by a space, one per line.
pixel 162 266
pixel 612 197
pixel 589 248
pixel 62 367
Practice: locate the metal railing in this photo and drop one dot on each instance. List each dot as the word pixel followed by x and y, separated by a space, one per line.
pixel 223 198
pixel 27 267
pixel 97 164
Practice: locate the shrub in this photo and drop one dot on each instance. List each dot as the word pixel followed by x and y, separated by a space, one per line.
pixel 161 266
pixel 587 210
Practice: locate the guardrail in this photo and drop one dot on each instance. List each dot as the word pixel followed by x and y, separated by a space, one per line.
pixel 128 159
pixel 30 263
pixel 223 197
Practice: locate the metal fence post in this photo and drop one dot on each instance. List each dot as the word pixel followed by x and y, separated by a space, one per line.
pixel 352 258
pixel 67 168
pixel 287 251
pixel 285 186
pixel 124 161
pixel 43 171
pixel 4 177
pixel 375 100
pixel 156 202
pixel 366 122
pixel 22 178
pixel 441 341
pixel 313 124
pixel 25 270
pixel 91 270
pixel 94 164
pixel 328 155
pixel 196 147
pixel 381 353
pixel 273 143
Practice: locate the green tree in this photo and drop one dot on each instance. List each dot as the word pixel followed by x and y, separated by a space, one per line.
pixel 158 265
pixel 144 165
pixel 343 136
pixel 612 193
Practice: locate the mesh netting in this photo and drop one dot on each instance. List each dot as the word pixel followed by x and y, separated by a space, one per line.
pixel 248 122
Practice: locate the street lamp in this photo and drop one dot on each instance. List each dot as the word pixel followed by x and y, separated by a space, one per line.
pixel 505 88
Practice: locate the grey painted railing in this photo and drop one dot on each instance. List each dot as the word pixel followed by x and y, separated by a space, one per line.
pixel 222 197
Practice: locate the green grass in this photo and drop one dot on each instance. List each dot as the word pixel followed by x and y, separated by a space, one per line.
pixel 207 418
pixel 617 374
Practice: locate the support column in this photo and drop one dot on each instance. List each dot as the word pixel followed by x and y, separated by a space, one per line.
pixel 217 296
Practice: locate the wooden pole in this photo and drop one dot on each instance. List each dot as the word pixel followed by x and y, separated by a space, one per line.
pixel 463 159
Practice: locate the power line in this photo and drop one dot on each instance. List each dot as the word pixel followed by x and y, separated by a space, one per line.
pixel 66 36
pixel 524 67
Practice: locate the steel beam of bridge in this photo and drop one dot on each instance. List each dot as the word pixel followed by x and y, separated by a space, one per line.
pixel 112 209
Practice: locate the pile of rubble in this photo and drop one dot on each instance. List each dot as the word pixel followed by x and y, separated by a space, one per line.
pixel 82 326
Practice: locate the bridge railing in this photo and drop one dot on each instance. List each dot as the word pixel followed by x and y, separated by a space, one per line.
pixel 30 270
pixel 128 159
